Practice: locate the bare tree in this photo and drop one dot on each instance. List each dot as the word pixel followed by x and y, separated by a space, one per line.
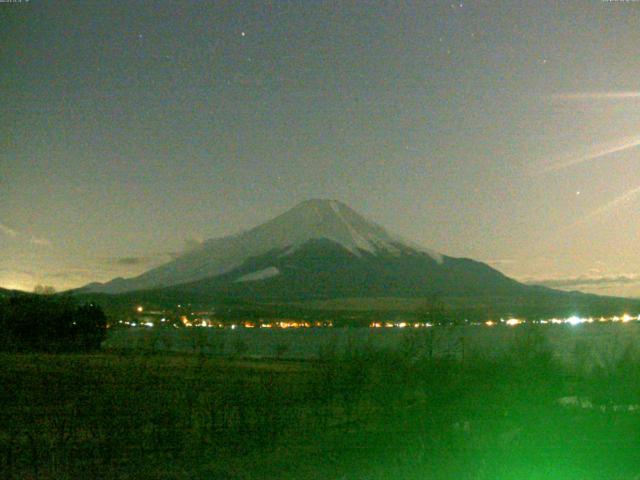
pixel 44 290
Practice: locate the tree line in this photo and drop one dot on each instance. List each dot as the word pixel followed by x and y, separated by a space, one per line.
pixel 50 323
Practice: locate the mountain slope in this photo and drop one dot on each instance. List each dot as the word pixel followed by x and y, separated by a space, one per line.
pixel 321 269
pixel 322 274
pixel 310 220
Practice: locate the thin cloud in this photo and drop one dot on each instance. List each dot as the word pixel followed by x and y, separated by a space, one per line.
pixel 608 207
pixel 595 96
pixel 599 150
pixel 190 245
pixel 41 242
pixel 70 275
pixel 501 261
pixel 584 281
pixel 129 261
pixel 8 231
pixel 132 261
pixel 17 272
pixel 596 152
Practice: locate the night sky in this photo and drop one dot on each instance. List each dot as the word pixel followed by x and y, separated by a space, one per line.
pixel 509 134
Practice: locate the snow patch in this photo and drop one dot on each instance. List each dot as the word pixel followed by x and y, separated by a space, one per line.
pixel 356 238
pixel 259 275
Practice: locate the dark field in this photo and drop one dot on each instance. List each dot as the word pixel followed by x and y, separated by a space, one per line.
pixel 362 414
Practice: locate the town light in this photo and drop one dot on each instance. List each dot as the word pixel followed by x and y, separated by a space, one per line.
pixel 574 320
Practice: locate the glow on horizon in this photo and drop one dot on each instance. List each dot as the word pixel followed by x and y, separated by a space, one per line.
pixel 17 286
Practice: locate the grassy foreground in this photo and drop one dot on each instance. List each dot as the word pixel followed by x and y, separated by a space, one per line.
pixel 366 415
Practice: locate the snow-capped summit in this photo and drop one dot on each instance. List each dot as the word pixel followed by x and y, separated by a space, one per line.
pixel 331 220
pixel 316 219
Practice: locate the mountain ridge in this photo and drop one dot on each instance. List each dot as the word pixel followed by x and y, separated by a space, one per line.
pixel 322 250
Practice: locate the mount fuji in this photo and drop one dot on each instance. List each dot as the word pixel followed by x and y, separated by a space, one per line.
pixel 324 250
pixel 294 231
